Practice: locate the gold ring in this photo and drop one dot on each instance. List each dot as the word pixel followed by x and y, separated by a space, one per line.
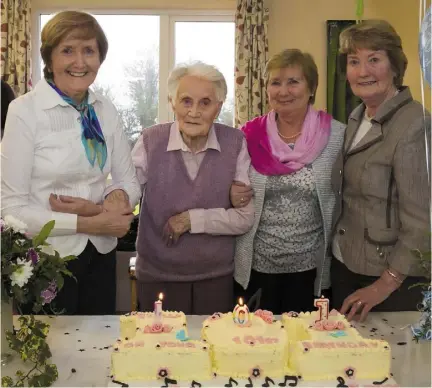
pixel 359 303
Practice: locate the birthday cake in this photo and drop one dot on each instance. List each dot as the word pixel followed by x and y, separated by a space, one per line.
pixel 246 348
pixel 309 346
pixel 153 348
pixel 322 349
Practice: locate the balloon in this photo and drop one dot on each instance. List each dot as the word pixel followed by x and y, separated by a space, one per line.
pixel 425 46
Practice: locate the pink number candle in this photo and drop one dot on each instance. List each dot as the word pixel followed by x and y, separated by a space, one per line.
pixel 158 309
pixel 323 308
pixel 241 313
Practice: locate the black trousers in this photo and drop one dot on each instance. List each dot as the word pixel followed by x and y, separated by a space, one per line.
pixel 346 282
pixel 94 290
pixel 281 292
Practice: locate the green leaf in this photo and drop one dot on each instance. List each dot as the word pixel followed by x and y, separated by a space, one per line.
pixel 7 381
pixel 44 233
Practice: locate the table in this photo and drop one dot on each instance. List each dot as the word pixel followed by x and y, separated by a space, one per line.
pixel 84 343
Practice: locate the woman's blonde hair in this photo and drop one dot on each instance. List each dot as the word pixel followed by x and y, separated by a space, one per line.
pixel 295 57
pixel 61 25
pixel 375 35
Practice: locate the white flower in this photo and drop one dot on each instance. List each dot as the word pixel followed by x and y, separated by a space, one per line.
pixel 48 249
pixel 23 272
pixel 16 225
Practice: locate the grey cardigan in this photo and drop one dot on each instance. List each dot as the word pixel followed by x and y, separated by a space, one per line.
pixel 321 167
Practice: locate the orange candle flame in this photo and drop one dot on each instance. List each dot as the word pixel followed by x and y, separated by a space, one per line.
pixel 161 296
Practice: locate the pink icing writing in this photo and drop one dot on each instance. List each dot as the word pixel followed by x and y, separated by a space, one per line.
pixel 327 325
pixel 179 344
pixel 338 344
pixel 249 339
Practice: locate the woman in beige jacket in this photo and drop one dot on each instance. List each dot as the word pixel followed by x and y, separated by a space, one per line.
pixel 381 180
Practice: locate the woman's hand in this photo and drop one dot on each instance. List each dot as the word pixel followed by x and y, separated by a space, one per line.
pixel 74 205
pixel 117 201
pixel 240 194
pixel 175 227
pixel 113 224
pixel 364 299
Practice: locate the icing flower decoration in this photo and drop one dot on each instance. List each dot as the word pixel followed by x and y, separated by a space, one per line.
pixel 350 372
pixel 319 325
pixel 216 316
pixel 265 315
pixel 255 372
pixel 162 373
pixel 333 313
pixel 329 325
pixel 292 314
pixel 167 328
pixel 147 329
pixel 157 327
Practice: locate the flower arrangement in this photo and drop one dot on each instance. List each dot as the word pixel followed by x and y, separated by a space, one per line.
pixel 31 275
pixel 422 329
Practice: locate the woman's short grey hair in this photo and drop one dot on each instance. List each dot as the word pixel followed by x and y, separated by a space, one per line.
pixel 200 70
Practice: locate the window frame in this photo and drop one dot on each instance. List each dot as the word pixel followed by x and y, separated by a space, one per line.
pixel 167 21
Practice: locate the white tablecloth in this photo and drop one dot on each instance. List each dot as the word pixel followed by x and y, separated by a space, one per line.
pixel 83 343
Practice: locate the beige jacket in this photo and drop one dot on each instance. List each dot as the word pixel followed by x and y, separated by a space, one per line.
pixel 382 209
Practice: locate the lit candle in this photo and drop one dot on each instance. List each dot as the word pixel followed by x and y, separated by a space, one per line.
pixel 158 309
pixel 241 313
pixel 323 308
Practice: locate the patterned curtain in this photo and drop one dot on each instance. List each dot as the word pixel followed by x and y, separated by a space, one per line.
pixel 15 44
pixel 251 44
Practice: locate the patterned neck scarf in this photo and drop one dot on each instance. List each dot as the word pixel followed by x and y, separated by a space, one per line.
pixel 92 137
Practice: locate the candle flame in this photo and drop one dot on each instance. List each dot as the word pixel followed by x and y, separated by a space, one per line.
pixel 241 301
pixel 161 296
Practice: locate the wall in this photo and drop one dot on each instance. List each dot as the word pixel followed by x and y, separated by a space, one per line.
pixel 302 24
pixel 134 4
pixel 294 23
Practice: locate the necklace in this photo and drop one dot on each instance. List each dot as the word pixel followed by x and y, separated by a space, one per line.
pixel 288 137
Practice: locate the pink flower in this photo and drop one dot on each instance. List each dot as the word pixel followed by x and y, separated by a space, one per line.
pixel 157 328
pixel 167 328
pixel 319 325
pixel 267 318
pixel 340 325
pixel 216 316
pixel 255 372
pixel 329 325
pixel 147 329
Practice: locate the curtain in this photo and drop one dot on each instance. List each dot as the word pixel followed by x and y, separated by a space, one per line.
pixel 251 54
pixel 15 44
pixel 340 99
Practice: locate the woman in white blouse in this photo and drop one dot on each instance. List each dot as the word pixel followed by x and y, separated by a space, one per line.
pixel 61 142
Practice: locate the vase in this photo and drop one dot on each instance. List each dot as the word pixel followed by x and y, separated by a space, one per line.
pixel 6 324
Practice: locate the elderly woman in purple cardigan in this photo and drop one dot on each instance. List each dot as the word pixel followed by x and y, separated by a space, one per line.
pixel 187 225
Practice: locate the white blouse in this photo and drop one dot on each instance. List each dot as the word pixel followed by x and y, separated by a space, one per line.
pixel 42 153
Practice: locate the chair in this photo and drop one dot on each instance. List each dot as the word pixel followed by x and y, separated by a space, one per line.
pixel 134 299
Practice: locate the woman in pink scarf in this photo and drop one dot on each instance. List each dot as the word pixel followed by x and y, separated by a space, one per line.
pixel 292 149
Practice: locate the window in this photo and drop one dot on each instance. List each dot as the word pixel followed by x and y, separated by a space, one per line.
pixel 143 48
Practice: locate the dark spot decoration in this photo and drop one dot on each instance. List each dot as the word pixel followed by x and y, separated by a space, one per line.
pixel 267 382
pixel 373 330
pixel 282 326
pixel 249 384
pixel 214 374
pixel 287 378
pixel 115 349
pixel 386 347
pixel 162 373
pixel 380 382
pixel 184 324
pixel 106 347
pixel 350 372
pixel 195 384
pixel 256 372
pixel 79 340
pixel 392 333
pixel 66 333
pixel 123 385
pixel 204 348
pixel 76 329
pixel 391 374
pixel 230 382
pixel 107 326
pixel 126 339
pixel 385 320
pixel 82 350
pixel 401 343
pixel 73 370
pixel 341 382
pixel 94 347
pixel 393 358
pixel 168 382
